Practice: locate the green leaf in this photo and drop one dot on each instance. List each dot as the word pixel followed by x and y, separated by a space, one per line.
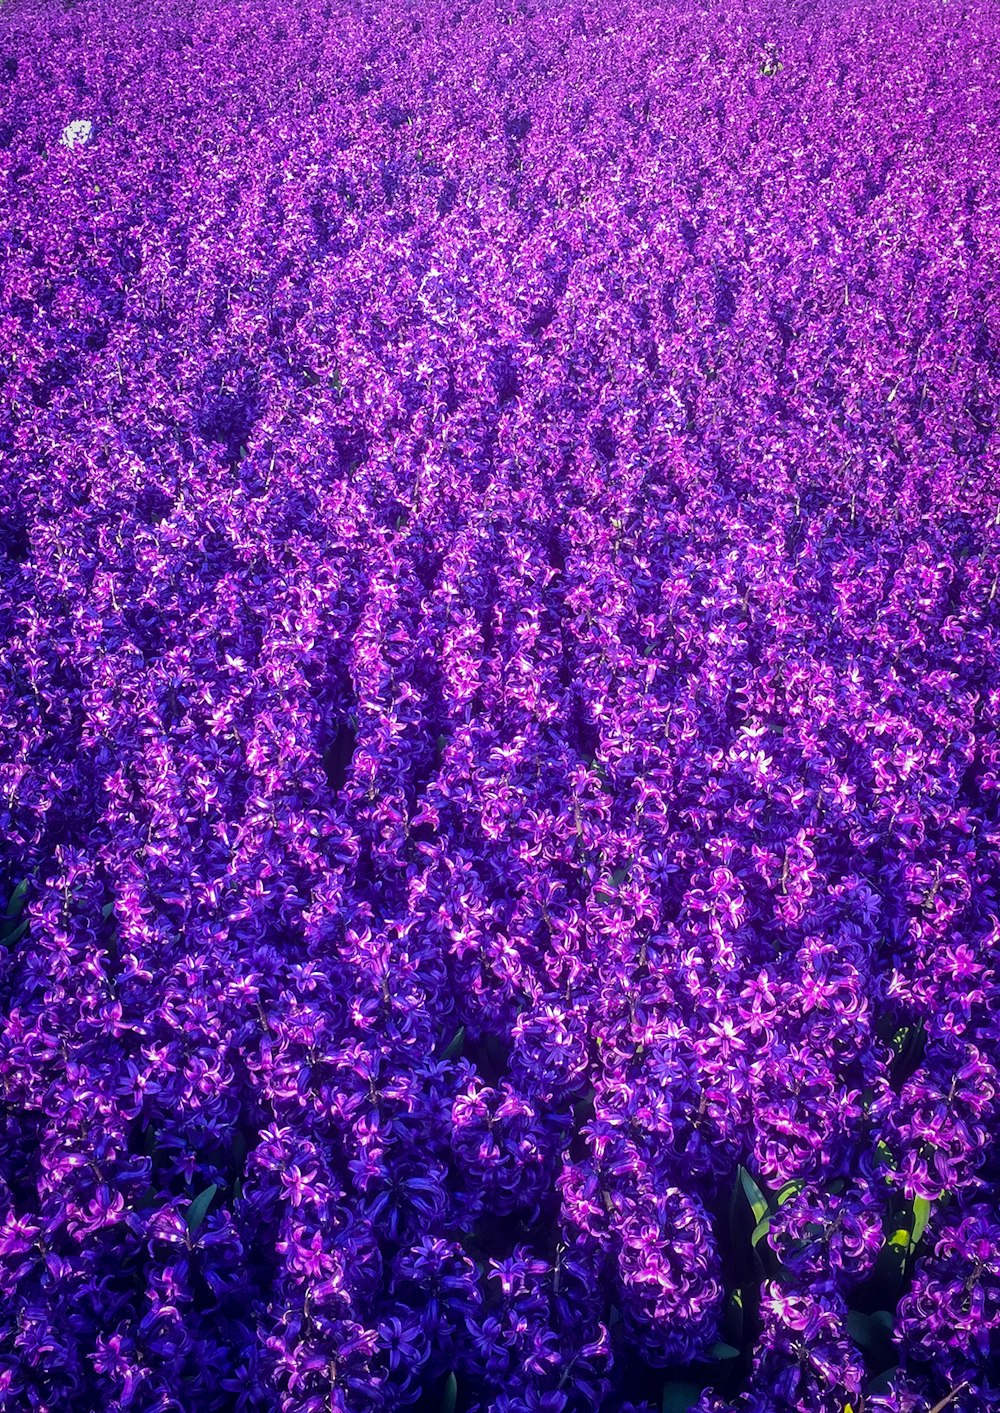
pixel 884 1153
pixel 497 1054
pixel 107 910
pixel 921 1216
pixel 789 1190
pixel 870 1334
pixel 732 1325
pixel 720 1350
pixel 12 938
pixel 454 1047
pixel 449 1399
pixel 619 876
pixel 198 1207
pixel 881 1382
pixel 16 901
pixel 678 1396
pixel 753 1194
pixel 886 1280
pixel 761 1230
pixel 859 1327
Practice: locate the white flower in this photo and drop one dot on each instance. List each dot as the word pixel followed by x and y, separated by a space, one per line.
pixel 78 133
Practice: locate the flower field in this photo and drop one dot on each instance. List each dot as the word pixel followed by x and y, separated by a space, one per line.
pixel 499 706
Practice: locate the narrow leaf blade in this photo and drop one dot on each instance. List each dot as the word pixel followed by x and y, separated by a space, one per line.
pixel 679 1396
pixel 761 1230
pixel 454 1047
pixel 12 938
pixel 16 902
pixel 921 1216
pixel 758 1202
pixel 789 1190
pixel 450 1397
pixel 198 1207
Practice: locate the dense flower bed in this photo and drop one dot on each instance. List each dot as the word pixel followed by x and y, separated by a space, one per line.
pixel 499 706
